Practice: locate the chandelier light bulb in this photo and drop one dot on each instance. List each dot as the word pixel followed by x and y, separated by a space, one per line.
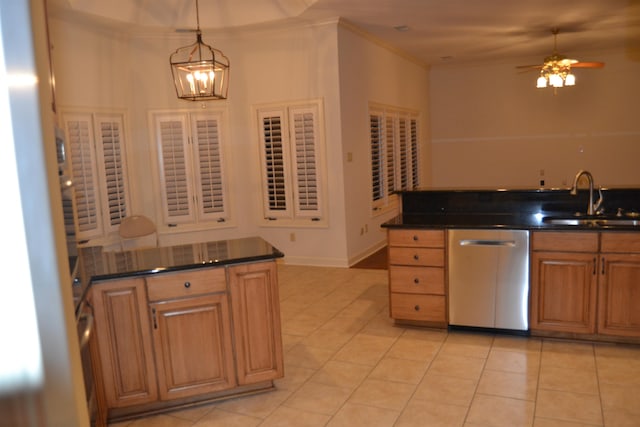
pixel 555 80
pixel 570 80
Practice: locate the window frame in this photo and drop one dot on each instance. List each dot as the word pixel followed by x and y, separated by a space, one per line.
pixel 394 146
pixel 300 144
pixel 96 173
pixel 195 218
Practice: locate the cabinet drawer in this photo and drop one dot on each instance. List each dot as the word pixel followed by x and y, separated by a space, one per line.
pixel 423 238
pixel 417 280
pixel 416 256
pixel 620 242
pixel 581 241
pixel 428 308
pixel 178 285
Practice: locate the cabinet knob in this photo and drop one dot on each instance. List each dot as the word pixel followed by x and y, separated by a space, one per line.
pixel 415 238
pixel 416 257
pixel 416 280
pixel 187 284
pixel 416 308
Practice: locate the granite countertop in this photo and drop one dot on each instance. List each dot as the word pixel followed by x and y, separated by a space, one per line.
pixel 480 220
pixel 97 264
pixel 517 209
pixel 498 220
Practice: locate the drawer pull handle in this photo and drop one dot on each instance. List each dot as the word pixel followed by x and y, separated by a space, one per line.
pixel 416 281
pixel 416 308
pixel 415 238
pixel 416 257
pixel 187 284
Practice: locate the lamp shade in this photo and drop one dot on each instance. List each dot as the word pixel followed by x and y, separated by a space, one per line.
pixel 200 72
pixel 570 80
pixel 541 82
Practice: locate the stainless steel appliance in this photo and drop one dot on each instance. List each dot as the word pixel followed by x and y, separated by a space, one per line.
pixel 489 278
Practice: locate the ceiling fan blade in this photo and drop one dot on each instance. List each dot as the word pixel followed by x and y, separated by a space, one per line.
pixel 531 67
pixel 587 65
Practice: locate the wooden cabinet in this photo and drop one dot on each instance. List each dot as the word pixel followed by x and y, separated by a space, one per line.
pixel 417 288
pixel 564 282
pixel 255 305
pixel 563 292
pixel 191 333
pixel 586 283
pixel 176 338
pixel 619 298
pixel 122 331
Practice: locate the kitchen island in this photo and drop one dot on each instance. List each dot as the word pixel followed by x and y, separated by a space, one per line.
pixel 584 272
pixel 181 325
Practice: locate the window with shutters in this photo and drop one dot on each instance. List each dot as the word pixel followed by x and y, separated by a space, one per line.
pixel 191 163
pixel 97 165
pixel 394 154
pixel 292 156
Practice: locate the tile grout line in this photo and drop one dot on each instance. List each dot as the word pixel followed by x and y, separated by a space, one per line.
pixel 415 388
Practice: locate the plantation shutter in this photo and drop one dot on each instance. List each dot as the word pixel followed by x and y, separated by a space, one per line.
pixel 177 197
pixel 415 176
pixel 377 165
pixel 403 141
pixel 305 162
pixel 209 173
pixel 394 154
pixel 274 138
pixel 79 129
pixel 110 134
pixel 291 151
pixel 389 158
pixel 190 151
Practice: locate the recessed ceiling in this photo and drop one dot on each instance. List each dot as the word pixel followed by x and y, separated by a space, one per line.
pixel 458 30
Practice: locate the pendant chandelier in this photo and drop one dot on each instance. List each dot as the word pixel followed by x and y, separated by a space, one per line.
pixel 200 72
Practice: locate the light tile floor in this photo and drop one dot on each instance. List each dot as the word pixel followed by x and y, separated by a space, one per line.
pixel 346 364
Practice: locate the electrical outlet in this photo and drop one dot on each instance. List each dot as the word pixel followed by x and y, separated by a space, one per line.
pixel 366 228
pixel 292 237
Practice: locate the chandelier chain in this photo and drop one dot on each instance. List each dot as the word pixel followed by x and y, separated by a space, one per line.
pixel 197 17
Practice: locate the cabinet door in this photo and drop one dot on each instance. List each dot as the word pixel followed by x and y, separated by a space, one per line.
pixel 256 319
pixel 563 292
pixel 122 331
pixel 619 297
pixel 192 340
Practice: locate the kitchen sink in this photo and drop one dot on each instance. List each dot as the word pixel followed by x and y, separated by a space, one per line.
pixel 592 221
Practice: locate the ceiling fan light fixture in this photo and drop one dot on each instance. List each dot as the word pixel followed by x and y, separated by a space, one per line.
pixel 555 70
pixel 200 72
pixel 555 73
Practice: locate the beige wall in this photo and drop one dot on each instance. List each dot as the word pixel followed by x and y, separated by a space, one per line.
pixel 371 73
pixel 491 127
pixel 100 68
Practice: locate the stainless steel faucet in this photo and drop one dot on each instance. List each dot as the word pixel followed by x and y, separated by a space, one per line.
pixel 592 208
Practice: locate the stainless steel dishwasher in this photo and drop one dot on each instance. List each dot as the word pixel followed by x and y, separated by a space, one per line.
pixel 489 278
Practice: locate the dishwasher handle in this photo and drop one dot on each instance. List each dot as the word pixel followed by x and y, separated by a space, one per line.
pixel 482 242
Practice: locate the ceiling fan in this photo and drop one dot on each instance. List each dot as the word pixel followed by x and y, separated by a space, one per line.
pixel 555 71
